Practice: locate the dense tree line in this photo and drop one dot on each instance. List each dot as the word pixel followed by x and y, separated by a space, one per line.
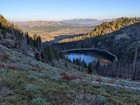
pixel 49 53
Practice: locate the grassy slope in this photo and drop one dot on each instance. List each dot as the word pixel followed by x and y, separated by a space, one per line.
pixel 25 81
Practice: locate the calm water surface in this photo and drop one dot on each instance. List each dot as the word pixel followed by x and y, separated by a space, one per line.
pixel 86 58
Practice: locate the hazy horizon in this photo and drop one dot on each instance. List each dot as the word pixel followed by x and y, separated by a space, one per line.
pixel 67 19
pixel 62 19
pixel 57 10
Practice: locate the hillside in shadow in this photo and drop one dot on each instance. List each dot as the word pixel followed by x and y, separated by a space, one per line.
pixel 122 43
pixel 114 42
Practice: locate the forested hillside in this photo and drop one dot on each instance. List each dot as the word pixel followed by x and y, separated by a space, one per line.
pixel 13 37
pixel 120 37
pixel 105 28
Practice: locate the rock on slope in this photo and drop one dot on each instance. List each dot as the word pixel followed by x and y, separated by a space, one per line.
pixel 25 81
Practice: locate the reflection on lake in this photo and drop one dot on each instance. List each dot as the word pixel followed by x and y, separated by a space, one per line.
pixel 90 55
pixel 86 58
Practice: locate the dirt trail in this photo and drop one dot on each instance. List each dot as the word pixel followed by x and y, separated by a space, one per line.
pixel 116 85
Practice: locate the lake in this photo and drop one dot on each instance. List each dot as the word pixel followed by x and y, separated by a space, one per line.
pixel 90 56
pixel 86 58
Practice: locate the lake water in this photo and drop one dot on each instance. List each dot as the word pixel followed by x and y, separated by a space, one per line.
pixel 90 56
pixel 86 58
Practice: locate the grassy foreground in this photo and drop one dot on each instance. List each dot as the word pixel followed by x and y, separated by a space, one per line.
pixel 25 81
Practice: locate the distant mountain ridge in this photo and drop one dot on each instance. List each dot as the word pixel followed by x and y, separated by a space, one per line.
pixel 105 28
pixel 39 23
pixel 49 30
pixel 87 22
pixel 70 22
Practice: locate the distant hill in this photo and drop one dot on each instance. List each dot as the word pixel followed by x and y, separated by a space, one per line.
pixel 105 28
pixel 70 23
pixel 40 23
pixel 85 22
pixel 49 30
pixel 51 26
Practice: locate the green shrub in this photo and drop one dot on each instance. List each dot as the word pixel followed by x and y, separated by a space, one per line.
pixel 39 75
pixel 99 100
pixel 39 101
pixel 32 77
pixel 31 88
pixel 15 100
pixel 2 70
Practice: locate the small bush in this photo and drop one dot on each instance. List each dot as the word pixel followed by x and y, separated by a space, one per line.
pixel 4 57
pixel 67 77
pixel 39 75
pixel 31 88
pixel 13 68
pixel 15 100
pixel 32 77
pixel 39 101
pixel 1 66
pixel 99 100
pixel 2 70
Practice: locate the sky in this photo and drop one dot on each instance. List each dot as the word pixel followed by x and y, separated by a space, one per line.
pixel 31 10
